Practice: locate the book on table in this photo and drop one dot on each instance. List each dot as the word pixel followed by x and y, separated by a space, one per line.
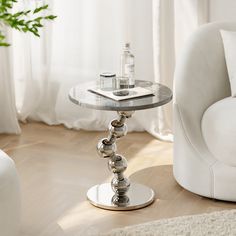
pixel 123 94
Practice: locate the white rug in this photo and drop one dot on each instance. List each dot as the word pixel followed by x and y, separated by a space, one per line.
pixel 221 223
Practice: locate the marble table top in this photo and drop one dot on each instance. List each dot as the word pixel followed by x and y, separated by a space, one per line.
pixel 84 98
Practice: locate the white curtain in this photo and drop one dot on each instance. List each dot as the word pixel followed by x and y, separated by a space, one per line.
pixel 8 115
pixel 173 23
pixel 87 39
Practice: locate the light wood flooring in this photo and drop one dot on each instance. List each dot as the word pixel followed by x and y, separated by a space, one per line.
pixel 57 166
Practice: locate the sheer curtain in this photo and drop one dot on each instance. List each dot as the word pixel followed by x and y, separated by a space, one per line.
pixel 8 115
pixel 87 39
pixel 173 22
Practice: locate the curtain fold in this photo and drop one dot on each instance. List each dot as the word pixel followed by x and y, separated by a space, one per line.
pixel 189 15
pixel 87 39
pixel 173 23
pixel 8 115
pixel 164 61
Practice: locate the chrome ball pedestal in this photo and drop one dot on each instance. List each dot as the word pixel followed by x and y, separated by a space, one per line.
pixel 120 194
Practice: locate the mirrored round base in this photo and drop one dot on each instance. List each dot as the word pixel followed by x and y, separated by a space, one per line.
pixel 138 196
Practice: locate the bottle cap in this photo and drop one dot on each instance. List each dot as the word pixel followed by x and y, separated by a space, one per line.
pixel 107 74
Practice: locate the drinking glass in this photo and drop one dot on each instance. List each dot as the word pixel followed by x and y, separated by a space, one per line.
pixel 122 86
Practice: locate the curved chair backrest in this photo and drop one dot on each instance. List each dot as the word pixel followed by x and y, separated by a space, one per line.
pixel 201 77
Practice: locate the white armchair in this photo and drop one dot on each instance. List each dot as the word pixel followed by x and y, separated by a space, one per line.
pixel 9 197
pixel 205 117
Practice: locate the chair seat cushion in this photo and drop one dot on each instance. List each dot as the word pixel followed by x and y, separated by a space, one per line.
pixel 219 130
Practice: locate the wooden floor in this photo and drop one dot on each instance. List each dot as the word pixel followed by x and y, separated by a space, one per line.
pixel 57 166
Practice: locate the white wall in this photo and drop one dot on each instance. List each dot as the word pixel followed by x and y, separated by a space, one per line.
pixel 222 10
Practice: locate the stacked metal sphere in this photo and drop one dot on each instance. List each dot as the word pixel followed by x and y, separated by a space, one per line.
pixel 106 148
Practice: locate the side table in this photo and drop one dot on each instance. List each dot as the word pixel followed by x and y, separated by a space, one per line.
pixel 120 194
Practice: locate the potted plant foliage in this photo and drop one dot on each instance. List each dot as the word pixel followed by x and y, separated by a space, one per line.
pixel 29 20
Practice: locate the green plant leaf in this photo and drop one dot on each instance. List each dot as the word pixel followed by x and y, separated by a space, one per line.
pixel 38 9
pixel 2 44
pixel 22 20
pixel 50 17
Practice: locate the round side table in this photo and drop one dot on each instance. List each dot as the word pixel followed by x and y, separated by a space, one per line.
pixel 120 194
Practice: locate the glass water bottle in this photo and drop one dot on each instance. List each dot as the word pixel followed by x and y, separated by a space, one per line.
pixel 127 65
